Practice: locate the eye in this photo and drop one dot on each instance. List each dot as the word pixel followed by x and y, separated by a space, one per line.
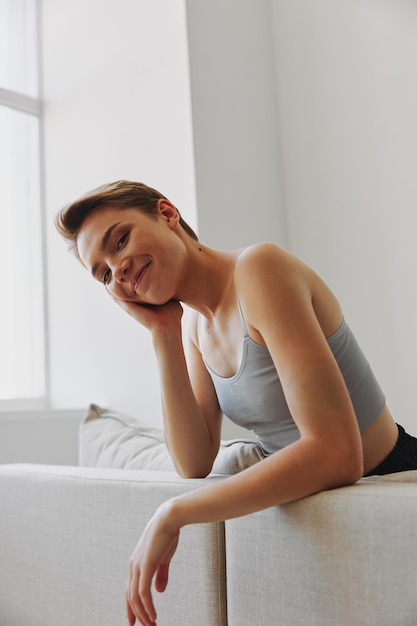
pixel 121 241
pixel 106 277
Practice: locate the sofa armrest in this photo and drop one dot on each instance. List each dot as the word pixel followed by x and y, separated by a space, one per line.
pixel 66 534
pixel 342 557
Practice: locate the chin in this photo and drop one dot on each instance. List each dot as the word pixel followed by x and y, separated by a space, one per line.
pixel 149 301
pixel 161 302
pixel 154 300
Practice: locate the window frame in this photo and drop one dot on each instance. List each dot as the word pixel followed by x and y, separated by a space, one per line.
pixel 33 106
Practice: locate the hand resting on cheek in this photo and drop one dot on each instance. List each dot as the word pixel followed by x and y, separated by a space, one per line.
pixel 153 316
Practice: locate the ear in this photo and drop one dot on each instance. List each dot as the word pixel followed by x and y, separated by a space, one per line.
pixel 168 212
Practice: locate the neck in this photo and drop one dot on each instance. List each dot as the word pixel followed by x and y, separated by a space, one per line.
pixel 208 278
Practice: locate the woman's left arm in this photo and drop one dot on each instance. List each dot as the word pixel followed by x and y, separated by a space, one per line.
pixel 328 453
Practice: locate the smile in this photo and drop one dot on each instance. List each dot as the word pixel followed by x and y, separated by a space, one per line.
pixel 138 277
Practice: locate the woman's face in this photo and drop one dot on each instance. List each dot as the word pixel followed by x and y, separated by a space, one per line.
pixel 134 255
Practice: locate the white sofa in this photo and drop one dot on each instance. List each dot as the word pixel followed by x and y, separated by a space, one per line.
pixel 346 557
pixel 66 534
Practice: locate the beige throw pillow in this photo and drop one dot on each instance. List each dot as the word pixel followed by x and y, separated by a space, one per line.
pixel 111 439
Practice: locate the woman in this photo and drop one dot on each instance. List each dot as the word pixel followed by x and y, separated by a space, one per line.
pixel 268 346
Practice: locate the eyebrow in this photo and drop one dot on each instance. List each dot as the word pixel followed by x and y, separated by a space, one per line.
pixel 104 244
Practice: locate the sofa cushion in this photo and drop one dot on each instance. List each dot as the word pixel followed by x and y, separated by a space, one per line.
pixel 112 439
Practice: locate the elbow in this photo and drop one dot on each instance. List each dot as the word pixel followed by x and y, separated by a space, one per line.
pixel 359 468
pixel 190 466
pixel 350 466
pixel 353 474
pixel 194 474
pixel 355 462
pixel 201 470
pixel 190 473
pixel 195 467
pixel 339 466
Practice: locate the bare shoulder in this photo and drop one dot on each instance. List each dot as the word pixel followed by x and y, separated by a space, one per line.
pixel 271 283
pixel 260 251
pixel 265 262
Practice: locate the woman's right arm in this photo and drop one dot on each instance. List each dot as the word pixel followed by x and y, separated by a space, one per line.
pixel 191 427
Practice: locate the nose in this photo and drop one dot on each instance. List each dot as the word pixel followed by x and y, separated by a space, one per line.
pixel 121 271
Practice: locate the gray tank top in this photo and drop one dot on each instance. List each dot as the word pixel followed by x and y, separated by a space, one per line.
pixel 253 397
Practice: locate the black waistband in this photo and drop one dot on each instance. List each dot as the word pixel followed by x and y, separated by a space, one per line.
pixel 402 458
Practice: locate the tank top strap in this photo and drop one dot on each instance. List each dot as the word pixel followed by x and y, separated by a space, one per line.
pixel 245 329
pixel 242 318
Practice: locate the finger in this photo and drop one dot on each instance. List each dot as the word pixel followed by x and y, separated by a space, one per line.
pixel 131 617
pixel 145 595
pixel 133 600
pixel 136 610
pixel 161 578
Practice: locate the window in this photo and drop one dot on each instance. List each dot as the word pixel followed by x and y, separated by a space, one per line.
pixel 22 353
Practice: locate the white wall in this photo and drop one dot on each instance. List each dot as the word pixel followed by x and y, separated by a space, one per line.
pixel 115 87
pixel 346 74
pixel 39 437
pixel 304 126
pixel 117 104
pixel 306 134
pixel 236 142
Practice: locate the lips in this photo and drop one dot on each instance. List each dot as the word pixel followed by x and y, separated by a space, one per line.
pixel 138 277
